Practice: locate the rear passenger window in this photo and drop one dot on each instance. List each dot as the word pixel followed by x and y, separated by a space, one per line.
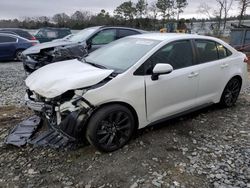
pixel 126 32
pixel 207 50
pixel 178 54
pixel 6 39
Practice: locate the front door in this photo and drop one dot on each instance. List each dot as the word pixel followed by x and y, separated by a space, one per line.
pixel 175 92
pixel 102 38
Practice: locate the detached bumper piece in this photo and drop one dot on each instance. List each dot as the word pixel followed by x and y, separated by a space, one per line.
pixel 20 135
pixel 67 135
pixel 54 139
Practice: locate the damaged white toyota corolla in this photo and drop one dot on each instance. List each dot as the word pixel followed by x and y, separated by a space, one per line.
pixel 131 83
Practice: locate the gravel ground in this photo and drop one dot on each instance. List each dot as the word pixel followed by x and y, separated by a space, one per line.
pixel 12 83
pixel 208 148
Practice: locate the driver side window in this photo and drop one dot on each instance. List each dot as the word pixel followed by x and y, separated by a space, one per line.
pixel 104 37
pixel 178 54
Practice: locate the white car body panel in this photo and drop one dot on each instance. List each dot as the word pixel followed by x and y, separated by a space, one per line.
pixel 175 92
pixel 150 99
pixel 54 79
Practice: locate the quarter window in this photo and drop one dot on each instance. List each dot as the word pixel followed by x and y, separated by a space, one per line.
pixel 6 39
pixel 207 50
pixel 178 54
pixel 104 37
pixel 223 51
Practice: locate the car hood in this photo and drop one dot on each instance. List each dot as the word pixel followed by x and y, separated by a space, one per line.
pixel 55 79
pixel 37 48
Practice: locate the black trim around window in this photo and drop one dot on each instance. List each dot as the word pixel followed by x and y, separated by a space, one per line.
pixel 141 70
pixel 229 53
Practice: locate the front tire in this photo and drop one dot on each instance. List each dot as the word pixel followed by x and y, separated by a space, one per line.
pixel 231 93
pixel 110 128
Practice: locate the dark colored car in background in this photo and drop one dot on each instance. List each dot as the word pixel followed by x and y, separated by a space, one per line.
pixel 19 32
pixel 12 46
pixel 48 34
pixel 77 46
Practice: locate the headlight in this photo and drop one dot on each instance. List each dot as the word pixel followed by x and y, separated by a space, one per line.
pixel 80 92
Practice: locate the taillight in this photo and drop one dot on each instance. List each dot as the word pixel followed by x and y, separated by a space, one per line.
pixel 33 38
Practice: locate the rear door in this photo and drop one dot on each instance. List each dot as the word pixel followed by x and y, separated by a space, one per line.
pixel 7 47
pixel 213 69
pixel 175 92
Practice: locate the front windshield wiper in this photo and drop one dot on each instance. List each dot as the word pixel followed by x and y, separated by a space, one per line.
pixel 94 64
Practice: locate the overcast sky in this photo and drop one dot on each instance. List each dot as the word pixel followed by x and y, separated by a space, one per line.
pixel 24 8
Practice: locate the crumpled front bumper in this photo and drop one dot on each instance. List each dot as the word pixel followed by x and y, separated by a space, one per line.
pixel 29 64
pixel 68 133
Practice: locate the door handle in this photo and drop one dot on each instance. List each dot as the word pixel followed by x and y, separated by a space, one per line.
pixel 193 74
pixel 224 65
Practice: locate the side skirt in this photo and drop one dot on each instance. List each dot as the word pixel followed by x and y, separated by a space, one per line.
pixel 180 114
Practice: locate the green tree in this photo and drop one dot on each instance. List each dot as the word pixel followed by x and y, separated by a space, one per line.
pixel 61 19
pixel 141 8
pixel 243 5
pixel 180 5
pixel 166 8
pixel 126 10
pixel 103 18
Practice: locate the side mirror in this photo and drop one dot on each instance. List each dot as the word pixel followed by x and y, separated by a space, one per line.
pixel 161 68
pixel 89 45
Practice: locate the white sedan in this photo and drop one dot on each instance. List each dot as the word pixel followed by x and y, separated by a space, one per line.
pixel 135 82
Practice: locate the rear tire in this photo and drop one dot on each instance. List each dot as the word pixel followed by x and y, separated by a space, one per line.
pixel 231 93
pixel 110 128
pixel 18 55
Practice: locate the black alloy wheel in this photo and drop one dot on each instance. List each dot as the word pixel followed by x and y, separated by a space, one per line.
pixel 110 128
pixel 231 92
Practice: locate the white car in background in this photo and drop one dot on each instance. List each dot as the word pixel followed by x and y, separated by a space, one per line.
pixel 135 82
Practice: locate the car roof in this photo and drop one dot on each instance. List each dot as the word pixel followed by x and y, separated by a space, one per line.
pixel 9 35
pixel 170 36
pixel 119 27
pixel 54 28
pixel 12 35
pixel 12 29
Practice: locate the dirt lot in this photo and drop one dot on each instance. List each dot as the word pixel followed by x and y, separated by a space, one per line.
pixel 209 148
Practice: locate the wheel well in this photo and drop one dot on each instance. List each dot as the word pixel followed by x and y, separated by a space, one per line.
pixel 18 50
pixel 239 78
pixel 126 105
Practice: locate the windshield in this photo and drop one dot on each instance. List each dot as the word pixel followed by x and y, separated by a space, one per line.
pixel 83 35
pixel 121 54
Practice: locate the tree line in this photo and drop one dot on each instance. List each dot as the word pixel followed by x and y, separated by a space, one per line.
pixel 141 15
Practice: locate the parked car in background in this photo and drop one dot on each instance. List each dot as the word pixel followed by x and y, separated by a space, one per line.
pixel 75 46
pixel 132 83
pixel 49 33
pixel 19 32
pixel 64 38
pixel 12 46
